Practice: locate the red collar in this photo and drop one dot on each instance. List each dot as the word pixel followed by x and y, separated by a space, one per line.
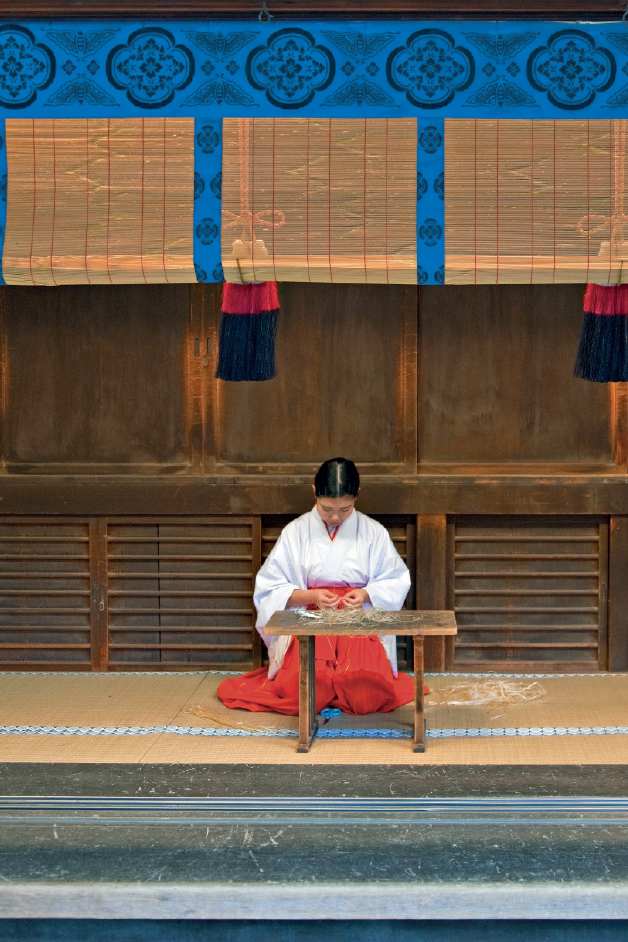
pixel 331 532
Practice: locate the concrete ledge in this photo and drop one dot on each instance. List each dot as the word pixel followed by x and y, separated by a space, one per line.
pixel 306 901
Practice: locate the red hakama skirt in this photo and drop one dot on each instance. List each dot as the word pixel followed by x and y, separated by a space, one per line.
pixel 352 674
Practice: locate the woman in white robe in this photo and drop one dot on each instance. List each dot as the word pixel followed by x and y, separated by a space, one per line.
pixel 332 557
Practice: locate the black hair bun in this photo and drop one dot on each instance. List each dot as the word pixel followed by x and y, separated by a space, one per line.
pixel 337 477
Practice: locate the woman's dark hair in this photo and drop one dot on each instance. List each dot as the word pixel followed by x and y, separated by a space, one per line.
pixel 337 477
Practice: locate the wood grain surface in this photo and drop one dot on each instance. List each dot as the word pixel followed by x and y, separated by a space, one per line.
pixel 407 623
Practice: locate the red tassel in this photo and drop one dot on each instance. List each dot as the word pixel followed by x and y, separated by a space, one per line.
pixel 250 298
pixel 606 299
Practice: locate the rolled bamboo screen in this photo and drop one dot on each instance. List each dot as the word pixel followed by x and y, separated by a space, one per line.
pixel 534 201
pixel 99 201
pixel 319 200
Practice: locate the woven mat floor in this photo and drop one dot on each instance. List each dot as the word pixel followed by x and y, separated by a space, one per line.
pixel 120 701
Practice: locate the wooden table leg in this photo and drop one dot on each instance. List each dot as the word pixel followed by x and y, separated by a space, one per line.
pixel 419 712
pixel 308 725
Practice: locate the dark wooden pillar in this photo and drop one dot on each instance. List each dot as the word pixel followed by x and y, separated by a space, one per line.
pixel 431 579
pixel 618 594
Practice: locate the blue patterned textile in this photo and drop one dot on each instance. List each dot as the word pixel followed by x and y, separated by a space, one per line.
pixel 430 194
pixel 428 70
pixel 207 193
pixel 374 69
pixel 3 191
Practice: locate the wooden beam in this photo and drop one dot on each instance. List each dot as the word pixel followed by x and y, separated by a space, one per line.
pixel 95 495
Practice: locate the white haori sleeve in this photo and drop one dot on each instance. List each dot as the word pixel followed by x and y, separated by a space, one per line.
pixel 277 579
pixel 389 582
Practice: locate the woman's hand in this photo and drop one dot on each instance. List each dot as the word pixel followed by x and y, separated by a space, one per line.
pixel 323 598
pixel 355 599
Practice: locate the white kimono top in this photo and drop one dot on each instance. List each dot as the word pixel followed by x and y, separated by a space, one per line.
pixel 304 557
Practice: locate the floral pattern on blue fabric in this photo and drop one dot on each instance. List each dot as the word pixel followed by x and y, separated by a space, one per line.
pixel 430 139
pixel 430 232
pixel 220 91
pixel 207 170
pixel 206 231
pixel 430 223
pixel 216 185
pixel 501 91
pixel 620 41
pixel 26 67
pixel 430 68
pixel 439 276
pixel 3 190
pixel 208 139
pixel 360 47
pixel 290 68
pixel 80 90
pixel 221 47
pixel 218 273
pixel 151 67
pixel 360 92
pixel 81 44
pixel 439 185
pixel 571 69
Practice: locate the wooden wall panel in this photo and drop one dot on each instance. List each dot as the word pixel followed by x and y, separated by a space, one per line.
pixel 47 570
pixel 345 385
pixel 529 594
pixel 179 593
pixel 95 378
pixel 496 384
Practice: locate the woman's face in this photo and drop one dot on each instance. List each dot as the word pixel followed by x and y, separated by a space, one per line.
pixel 335 510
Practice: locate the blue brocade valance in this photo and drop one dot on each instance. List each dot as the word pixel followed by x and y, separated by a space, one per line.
pixel 374 69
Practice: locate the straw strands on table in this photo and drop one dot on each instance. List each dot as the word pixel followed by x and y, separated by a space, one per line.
pixel 358 617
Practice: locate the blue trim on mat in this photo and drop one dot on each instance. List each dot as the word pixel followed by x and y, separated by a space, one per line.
pixel 525 731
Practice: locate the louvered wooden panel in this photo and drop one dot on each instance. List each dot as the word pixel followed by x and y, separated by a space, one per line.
pixel 529 594
pixel 402 530
pixel 47 568
pixel 180 593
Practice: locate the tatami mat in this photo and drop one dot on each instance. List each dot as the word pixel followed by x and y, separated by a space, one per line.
pixel 78 702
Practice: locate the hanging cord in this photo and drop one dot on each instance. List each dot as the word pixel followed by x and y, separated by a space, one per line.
pixel 265 16
pixel 616 223
pixel 267 218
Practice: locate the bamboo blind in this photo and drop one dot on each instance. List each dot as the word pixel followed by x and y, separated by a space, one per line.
pixel 319 200
pixel 99 201
pixel 535 201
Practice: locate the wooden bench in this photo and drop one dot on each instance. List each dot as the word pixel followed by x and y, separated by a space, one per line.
pixel 419 625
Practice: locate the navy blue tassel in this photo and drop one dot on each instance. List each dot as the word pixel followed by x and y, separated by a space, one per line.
pixel 603 352
pixel 247 347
